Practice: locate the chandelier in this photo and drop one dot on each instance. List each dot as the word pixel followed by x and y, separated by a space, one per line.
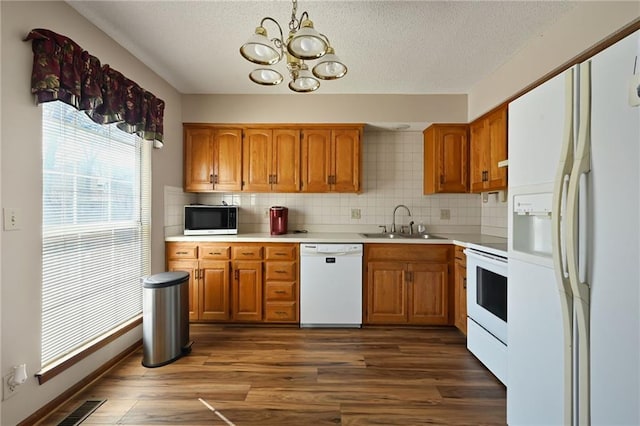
pixel 303 44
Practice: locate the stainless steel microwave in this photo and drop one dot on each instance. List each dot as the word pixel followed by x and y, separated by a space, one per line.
pixel 200 219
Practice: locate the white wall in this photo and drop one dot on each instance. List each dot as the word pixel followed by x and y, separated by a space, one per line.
pixel 319 108
pixel 0 206
pixel 589 23
pixel 20 176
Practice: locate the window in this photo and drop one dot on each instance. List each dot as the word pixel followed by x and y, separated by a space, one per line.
pixel 95 229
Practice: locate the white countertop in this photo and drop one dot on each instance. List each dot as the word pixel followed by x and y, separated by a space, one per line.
pixel 341 237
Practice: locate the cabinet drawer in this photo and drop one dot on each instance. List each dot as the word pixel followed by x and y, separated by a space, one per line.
pixel 209 251
pixel 181 251
pixel 280 271
pixel 247 252
pixel 281 311
pixel 285 252
pixel 280 291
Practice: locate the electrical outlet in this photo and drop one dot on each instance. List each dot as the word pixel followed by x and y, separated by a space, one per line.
pixel 445 214
pixel 266 212
pixel 8 391
pixel 11 219
pixel 355 214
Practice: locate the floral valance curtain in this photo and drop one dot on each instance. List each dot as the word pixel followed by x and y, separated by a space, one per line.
pixel 63 71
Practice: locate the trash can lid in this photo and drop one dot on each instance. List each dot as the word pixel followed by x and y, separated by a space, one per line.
pixel 165 279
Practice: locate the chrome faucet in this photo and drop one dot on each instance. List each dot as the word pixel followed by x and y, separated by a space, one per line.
pixel 393 222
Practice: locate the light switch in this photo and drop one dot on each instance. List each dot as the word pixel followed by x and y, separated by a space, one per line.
pixel 11 219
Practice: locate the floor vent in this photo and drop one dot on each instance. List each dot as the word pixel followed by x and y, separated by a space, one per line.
pixel 82 412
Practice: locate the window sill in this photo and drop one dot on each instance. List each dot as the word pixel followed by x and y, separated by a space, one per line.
pixel 50 371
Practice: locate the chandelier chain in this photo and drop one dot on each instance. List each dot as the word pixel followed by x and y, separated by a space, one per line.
pixel 294 24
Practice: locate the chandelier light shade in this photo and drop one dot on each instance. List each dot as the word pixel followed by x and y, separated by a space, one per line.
pixel 307 43
pixel 304 43
pixel 304 82
pixel 329 66
pixel 259 50
pixel 266 76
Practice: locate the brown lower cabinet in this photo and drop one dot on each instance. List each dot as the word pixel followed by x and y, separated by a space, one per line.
pixel 408 284
pixel 460 291
pixel 233 282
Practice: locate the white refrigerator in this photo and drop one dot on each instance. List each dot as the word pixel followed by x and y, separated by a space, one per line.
pixel 573 302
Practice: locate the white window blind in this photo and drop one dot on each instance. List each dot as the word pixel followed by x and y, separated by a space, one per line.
pixel 95 228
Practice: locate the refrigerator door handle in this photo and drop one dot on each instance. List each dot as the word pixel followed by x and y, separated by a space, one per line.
pixel 559 243
pixel 581 166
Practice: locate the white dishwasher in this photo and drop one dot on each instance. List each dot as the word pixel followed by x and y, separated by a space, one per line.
pixel 330 285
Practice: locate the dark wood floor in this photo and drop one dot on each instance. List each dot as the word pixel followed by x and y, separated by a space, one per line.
pixel 290 376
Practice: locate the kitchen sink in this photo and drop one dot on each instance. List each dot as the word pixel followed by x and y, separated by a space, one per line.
pixel 394 235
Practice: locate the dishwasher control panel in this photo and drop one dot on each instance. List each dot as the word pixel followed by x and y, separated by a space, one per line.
pixel 306 249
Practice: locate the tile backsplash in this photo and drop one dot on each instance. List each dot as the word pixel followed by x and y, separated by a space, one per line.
pixel 392 175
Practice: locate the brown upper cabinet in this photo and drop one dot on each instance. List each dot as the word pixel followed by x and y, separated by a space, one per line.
pixel 268 158
pixel 488 148
pixel 212 159
pixel 271 160
pixel 446 154
pixel 331 160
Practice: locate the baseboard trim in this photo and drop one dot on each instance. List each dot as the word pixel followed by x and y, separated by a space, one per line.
pixel 55 403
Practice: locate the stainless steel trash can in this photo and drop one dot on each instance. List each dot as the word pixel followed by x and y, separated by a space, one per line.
pixel 165 318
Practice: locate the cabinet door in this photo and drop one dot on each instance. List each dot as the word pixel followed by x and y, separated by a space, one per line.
pixel 452 152
pixel 496 124
pixel 386 295
pixel 479 155
pixel 345 170
pixel 227 169
pixel 488 148
pixel 460 294
pixel 198 159
pixel 428 290
pixel 316 160
pixel 214 290
pixel 191 267
pixel 286 160
pixel 257 169
pixel 247 291
pixel 446 153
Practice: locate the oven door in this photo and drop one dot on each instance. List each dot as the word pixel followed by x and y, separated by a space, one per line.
pixel 487 292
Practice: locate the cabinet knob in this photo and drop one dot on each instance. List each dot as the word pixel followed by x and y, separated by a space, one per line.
pixel 280 292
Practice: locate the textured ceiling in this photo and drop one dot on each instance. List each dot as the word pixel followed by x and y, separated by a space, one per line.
pixel 390 47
